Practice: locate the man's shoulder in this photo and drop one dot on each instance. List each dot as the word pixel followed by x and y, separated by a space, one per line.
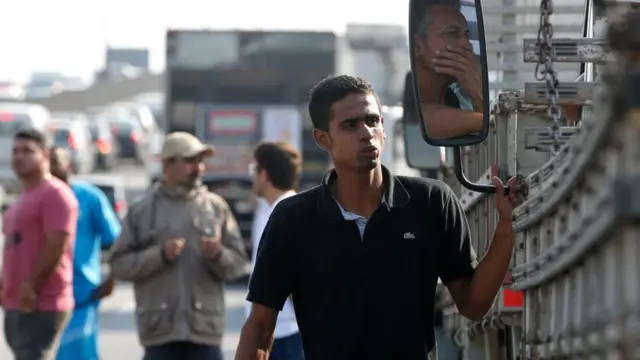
pixel 142 203
pixel 425 188
pixel 54 184
pixel 300 202
pixel 58 189
pixel 298 206
pixel 213 199
pixel 85 188
pixel 435 194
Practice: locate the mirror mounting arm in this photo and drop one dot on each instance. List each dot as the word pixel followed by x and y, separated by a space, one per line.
pixel 481 188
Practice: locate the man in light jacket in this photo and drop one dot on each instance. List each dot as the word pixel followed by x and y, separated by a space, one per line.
pixel 179 245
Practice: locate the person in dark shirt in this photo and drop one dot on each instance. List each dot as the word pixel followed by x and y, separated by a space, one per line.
pixel 361 254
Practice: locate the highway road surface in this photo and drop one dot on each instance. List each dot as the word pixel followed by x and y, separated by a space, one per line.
pixel 118 332
pixel 118 337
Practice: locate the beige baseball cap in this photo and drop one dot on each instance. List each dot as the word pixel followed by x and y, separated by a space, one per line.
pixel 184 145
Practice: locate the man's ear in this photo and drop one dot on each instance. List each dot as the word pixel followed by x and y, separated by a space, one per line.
pixel 264 175
pixel 417 45
pixel 322 139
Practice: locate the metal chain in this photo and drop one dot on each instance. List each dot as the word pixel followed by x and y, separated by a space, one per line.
pixel 545 71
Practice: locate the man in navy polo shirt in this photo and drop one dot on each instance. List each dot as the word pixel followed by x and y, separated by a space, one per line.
pixel 361 254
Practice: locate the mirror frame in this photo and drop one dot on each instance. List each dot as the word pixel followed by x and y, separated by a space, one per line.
pixel 463 140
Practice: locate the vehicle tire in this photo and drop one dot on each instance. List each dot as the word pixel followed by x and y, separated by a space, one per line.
pixel 112 163
pixel 138 159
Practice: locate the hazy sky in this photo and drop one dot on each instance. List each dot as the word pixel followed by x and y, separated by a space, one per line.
pixel 70 35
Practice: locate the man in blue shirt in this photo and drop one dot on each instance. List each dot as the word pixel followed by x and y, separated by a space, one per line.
pixel 98 226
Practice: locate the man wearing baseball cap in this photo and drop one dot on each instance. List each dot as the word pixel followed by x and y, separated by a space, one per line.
pixel 185 145
pixel 178 246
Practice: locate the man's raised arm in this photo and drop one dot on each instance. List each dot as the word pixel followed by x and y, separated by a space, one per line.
pixel 447 122
pixel 271 283
pixel 474 286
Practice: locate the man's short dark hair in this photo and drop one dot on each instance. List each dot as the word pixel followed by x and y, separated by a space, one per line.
pixel 281 161
pixel 330 90
pixel 425 19
pixel 39 137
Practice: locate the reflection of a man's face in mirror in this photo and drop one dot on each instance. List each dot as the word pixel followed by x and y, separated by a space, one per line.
pixel 447 71
pixel 441 26
pixel 441 30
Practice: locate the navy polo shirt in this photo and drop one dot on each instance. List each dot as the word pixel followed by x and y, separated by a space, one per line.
pixel 371 297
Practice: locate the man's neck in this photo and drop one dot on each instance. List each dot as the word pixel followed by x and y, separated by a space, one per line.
pixel 166 182
pixel 272 195
pixel 33 181
pixel 435 88
pixel 359 193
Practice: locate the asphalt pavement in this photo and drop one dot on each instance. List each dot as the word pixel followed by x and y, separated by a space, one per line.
pixel 118 337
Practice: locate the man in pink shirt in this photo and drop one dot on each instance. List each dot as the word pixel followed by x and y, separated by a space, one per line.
pixel 39 228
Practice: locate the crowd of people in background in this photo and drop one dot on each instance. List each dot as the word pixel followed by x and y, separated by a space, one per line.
pixel 327 266
pixel 179 236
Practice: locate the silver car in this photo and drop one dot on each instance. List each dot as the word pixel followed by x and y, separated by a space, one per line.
pixel 73 134
pixel 13 117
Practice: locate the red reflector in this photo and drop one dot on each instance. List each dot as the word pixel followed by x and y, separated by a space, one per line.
pixel 72 141
pixel 120 207
pixel 511 298
pixel 6 117
pixel 134 137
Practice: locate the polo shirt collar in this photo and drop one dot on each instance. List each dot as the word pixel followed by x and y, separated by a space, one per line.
pixel 395 195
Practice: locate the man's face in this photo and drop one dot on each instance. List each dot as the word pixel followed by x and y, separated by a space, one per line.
pixel 448 28
pixel 27 158
pixel 356 137
pixel 260 179
pixel 185 171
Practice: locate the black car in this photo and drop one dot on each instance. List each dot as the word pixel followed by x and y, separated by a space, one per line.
pixel 106 144
pixel 129 135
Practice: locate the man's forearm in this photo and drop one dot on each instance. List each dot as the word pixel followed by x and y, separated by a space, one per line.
pixel 445 122
pixel 255 344
pixel 490 273
pixel 48 259
pixel 478 104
